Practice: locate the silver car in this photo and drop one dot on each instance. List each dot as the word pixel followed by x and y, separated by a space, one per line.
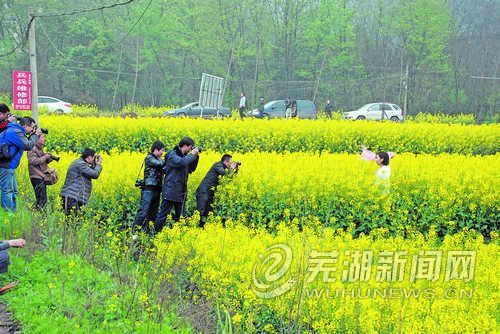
pixel 54 105
pixel 376 111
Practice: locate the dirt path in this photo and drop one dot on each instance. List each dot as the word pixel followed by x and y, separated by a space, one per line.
pixel 7 324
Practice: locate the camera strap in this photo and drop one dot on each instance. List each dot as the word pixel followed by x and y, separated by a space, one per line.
pixel 140 170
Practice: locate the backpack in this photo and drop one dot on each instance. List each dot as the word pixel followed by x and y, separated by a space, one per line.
pixel 5 155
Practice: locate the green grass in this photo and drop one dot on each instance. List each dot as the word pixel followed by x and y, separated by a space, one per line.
pixel 76 277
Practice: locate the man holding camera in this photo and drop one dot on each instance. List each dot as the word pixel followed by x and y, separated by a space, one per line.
pixel 13 142
pixel 206 190
pixel 78 185
pixel 38 162
pixel 151 188
pixel 179 163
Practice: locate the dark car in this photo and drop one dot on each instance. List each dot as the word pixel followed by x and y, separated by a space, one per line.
pixel 194 110
pixel 276 109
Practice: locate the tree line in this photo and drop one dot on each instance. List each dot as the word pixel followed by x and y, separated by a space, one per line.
pixel 428 55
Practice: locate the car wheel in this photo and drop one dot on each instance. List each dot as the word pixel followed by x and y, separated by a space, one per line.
pixel 59 112
pixel 361 117
pixel 395 118
pixel 181 114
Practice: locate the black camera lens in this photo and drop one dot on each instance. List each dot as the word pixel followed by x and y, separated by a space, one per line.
pixel 55 158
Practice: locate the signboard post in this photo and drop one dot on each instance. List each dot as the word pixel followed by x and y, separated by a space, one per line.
pixel 21 90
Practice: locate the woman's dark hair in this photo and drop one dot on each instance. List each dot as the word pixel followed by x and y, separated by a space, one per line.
pixel 157 145
pixel 385 158
pixel 88 152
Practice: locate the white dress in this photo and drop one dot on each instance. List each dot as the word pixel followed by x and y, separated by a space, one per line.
pixel 383 181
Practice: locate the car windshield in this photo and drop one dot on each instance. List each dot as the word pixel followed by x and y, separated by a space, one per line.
pixel 366 106
pixel 271 103
pixel 190 105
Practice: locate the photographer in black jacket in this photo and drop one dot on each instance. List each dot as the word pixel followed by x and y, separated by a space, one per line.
pixel 206 190
pixel 151 188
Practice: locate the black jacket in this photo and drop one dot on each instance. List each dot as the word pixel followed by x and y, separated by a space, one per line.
pixel 328 108
pixel 177 168
pixel 211 180
pixel 153 171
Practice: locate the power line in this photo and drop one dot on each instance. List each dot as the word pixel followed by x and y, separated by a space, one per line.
pixel 485 78
pixel 86 10
pixel 21 42
pixel 136 22
pixel 50 40
pixel 74 12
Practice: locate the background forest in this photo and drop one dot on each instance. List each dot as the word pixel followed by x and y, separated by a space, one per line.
pixel 442 54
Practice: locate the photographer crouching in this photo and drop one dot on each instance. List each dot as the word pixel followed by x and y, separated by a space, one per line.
pixel 40 173
pixel 78 184
pixel 206 190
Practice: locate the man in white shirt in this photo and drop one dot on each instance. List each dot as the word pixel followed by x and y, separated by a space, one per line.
pixel 242 105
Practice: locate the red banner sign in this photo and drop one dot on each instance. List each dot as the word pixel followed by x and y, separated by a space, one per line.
pixel 21 90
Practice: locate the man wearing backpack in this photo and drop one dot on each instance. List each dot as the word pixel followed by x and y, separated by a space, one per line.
pixel 13 142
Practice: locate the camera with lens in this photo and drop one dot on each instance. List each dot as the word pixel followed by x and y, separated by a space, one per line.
pixel 199 148
pixel 44 131
pixel 238 163
pixel 139 183
pixel 55 158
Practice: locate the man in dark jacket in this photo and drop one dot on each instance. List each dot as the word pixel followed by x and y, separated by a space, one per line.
pixel 15 142
pixel 328 108
pixel 151 191
pixel 206 190
pixel 260 108
pixel 78 185
pixel 179 163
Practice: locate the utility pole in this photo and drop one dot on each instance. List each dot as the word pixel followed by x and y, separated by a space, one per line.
pixel 407 76
pixel 34 81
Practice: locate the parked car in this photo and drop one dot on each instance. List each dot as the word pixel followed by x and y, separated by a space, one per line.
pixel 276 109
pixel 376 111
pixel 193 109
pixel 54 105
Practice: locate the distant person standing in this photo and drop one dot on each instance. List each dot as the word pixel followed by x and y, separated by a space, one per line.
pixel 243 105
pixel 288 107
pixel 328 108
pixel 260 108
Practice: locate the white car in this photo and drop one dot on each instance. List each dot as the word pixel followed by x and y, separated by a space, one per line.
pixel 54 105
pixel 376 111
